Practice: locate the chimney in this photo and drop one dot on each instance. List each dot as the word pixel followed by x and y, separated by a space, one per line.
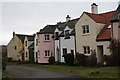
pixel 13 33
pixel 94 8
pixel 68 18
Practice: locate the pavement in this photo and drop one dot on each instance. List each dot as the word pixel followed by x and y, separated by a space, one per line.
pixel 20 72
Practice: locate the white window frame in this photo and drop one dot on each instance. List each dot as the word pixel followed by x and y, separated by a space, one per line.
pixel 47 53
pixel 86 29
pixel 86 49
pixel 47 37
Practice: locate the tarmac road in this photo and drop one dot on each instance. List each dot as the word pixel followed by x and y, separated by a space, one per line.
pixel 27 72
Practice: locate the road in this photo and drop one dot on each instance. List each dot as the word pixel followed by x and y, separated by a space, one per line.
pixel 27 72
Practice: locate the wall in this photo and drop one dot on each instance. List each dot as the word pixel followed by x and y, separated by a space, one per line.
pixel 44 45
pixel 67 43
pixel 15 41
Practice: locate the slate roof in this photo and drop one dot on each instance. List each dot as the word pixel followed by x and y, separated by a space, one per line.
pixel 48 29
pixel 71 24
pixel 22 37
pixel 30 37
pixel 115 16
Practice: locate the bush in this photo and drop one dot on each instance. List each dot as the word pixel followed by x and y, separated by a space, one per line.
pixel 92 60
pixel 81 59
pixel 4 63
pixel 9 59
pixel 51 60
pixel 69 59
pixel 113 59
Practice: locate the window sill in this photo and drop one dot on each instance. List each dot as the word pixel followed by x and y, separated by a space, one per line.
pixel 47 57
pixel 46 40
pixel 85 34
pixel 87 54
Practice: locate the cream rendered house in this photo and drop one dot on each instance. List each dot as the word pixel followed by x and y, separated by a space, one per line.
pixel 15 47
pixel 93 32
pixel 29 39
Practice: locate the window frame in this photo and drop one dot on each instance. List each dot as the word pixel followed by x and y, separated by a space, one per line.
pixel 47 37
pixel 56 35
pixel 67 34
pixel 86 50
pixel 47 53
pixel 86 29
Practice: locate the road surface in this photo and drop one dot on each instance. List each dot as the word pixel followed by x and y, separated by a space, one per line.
pixel 27 72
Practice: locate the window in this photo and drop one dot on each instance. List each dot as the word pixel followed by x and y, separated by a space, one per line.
pixel 15 47
pixel 86 49
pixel 36 55
pixel 26 54
pixel 64 51
pixel 26 43
pixel 85 29
pixel 47 53
pixel 56 35
pixel 47 37
pixel 67 36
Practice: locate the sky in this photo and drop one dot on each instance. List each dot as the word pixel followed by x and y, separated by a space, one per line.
pixel 29 16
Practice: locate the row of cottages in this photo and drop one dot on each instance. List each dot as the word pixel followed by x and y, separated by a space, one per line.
pixel 19 47
pixel 92 31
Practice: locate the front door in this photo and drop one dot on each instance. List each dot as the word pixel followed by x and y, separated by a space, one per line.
pixel 100 54
pixel 23 57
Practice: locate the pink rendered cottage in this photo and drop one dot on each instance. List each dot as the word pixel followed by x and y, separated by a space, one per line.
pixel 45 43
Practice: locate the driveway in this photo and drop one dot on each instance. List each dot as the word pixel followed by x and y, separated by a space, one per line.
pixel 27 72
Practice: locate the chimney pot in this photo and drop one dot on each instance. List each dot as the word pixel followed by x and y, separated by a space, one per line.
pixel 13 33
pixel 94 8
pixel 68 18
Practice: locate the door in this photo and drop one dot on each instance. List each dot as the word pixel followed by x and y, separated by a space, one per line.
pixel 23 56
pixel 100 54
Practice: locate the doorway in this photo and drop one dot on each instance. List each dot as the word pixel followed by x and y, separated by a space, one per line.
pixel 100 54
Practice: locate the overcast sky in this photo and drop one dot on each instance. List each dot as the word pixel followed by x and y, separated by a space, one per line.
pixel 30 17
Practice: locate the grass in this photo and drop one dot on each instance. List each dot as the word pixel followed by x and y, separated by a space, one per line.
pixel 7 76
pixel 89 72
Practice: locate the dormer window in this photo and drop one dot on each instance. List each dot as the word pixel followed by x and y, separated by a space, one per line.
pixel 85 29
pixel 67 35
pixel 56 36
pixel 47 37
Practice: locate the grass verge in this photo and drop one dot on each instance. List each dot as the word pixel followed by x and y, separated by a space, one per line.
pixel 6 76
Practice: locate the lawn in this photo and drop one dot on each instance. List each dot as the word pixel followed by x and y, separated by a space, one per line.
pixel 89 72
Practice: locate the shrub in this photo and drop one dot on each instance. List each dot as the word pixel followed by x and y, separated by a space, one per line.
pixel 69 59
pixel 92 60
pixel 9 59
pixel 51 60
pixel 113 59
pixel 4 63
pixel 81 59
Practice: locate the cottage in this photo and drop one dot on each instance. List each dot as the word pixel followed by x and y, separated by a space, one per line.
pixel 15 47
pixel 93 32
pixel 28 41
pixel 65 39
pixel 45 43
